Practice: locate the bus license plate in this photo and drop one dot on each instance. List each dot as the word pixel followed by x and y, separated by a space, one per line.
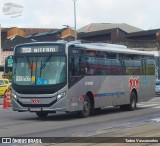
pixel 35 109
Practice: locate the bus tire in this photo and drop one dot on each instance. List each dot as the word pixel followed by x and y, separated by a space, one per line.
pixel 42 114
pixel 132 105
pixel 123 107
pixel 133 101
pixel 86 108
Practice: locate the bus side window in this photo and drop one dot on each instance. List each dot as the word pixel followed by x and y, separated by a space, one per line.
pixel 129 64
pixel 74 63
pixel 77 65
pixel 92 60
pixel 72 68
pixel 150 66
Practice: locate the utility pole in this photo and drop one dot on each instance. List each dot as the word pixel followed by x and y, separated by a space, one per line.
pixel 158 48
pixel 75 29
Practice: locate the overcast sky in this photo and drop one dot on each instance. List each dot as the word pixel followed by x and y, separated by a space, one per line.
pixel 144 14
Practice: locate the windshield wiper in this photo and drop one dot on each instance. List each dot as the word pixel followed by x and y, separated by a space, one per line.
pixel 28 61
pixel 43 64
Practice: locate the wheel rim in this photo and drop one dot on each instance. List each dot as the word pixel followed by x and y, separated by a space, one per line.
pixel 86 107
pixel 133 104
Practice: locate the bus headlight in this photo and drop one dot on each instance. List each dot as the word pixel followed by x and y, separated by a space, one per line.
pixel 61 95
pixel 14 95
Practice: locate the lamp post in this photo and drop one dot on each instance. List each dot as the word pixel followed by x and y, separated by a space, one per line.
pixel 158 63
pixel 75 19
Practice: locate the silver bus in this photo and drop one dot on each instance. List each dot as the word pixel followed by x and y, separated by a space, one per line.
pixel 80 77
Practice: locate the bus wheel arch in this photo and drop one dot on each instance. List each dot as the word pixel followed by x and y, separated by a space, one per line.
pixel 89 94
pixel 88 105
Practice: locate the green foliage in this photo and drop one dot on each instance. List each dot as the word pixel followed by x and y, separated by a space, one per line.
pixel 9 75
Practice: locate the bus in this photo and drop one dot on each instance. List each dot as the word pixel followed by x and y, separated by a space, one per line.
pixel 49 77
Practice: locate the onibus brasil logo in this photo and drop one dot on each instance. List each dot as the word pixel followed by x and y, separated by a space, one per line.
pixel 13 10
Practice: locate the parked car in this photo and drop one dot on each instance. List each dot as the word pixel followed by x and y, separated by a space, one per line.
pixel 157 86
pixel 4 85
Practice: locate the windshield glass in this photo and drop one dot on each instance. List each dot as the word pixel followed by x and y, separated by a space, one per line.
pixel 48 70
pixel 6 81
pixel 1 82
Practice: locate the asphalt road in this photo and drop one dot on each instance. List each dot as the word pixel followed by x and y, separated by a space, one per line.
pixel 109 122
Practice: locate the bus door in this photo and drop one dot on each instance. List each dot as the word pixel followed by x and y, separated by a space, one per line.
pixel 76 74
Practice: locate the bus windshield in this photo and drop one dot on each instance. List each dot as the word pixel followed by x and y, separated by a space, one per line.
pixel 38 70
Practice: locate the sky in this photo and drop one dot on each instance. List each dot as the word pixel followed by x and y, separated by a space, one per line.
pixel 144 14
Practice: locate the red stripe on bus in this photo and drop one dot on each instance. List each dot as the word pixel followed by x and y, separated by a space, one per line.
pixel 95 95
pixel 81 98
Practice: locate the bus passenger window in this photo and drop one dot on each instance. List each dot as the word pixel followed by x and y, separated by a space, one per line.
pixel 75 66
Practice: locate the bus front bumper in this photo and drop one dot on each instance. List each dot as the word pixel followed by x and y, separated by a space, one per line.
pixel 53 108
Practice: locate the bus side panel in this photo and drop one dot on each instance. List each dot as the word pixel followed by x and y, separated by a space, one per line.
pixel 77 92
pixel 118 94
pixel 141 84
pixel 110 90
pixel 131 82
pixel 105 91
pixel 147 87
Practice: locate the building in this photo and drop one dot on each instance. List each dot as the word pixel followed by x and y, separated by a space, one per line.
pixel 105 31
pixel 120 33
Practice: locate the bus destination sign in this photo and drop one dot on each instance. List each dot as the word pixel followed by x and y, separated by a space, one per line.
pixel 40 49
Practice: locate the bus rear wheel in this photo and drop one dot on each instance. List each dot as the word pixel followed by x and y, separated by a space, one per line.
pixel 86 108
pixel 133 103
pixel 42 114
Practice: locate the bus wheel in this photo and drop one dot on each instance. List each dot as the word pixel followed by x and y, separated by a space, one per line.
pixel 42 114
pixel 86 108
pixel 132 105
pixel 133 102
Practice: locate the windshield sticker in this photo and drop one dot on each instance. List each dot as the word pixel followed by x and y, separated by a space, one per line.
pixel 23 78
pixel 45 82
pixel 41 81
pixel 33 78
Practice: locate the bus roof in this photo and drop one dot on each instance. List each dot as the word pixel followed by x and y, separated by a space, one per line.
pixel 96 46
pixel 111 48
